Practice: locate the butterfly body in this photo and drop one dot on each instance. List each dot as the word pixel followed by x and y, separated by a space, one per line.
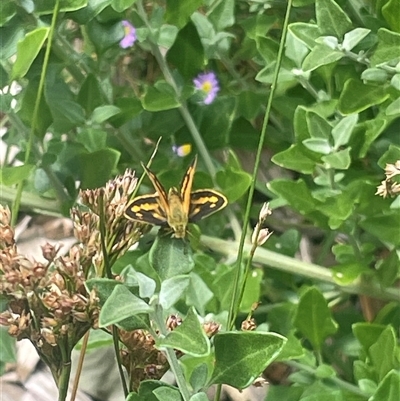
pixel 176 208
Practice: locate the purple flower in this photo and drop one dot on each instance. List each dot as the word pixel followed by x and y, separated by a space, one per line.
pixel 207 83
pixel 130 35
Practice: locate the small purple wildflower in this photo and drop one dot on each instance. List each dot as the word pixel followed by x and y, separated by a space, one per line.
pixel 207 83
pixel 130 35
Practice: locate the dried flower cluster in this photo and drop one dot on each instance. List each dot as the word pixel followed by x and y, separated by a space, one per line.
pixel 120 233
pixel 48 303
pixel 141 358
pixel 389 187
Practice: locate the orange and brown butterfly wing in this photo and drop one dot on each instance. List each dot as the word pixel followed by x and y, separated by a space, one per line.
pixel 186 186
pixel 205 202
pixel 162 194
pixel 152 209
pixel 146 209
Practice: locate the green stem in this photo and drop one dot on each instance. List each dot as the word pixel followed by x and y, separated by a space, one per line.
pixel 234 302
pixel 65 374
pixel 20 186
pixel 300 268
pixel 170 354
pixel 107 268
pixel 339 382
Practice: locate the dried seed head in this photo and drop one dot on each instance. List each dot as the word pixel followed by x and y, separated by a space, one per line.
pixel 264 212
pixel 173 321
pixel 211 328
pixel 6 236
pixel 392 169
pixel 260 236
pixel 5 215
pixel 249 324
pixel 49 251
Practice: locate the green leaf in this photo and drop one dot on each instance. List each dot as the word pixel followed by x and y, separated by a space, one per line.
pixel 7 11
pixel 121 5
pixel 198 294
pixel 120 305
pixel 393 108
pixel 7 348
pixel 391 12
pixel 199 397
pixel 390 156
pixel 296 158
pixel 388 388
pixel 357 96
pixel 93 139
pixel 375 75
pixel 341 133
pixel 172 290
pixel 90 95
pixel 189 337
pixel 103 113
pixel 47 7
pixel 295 193
pixel 388 269
pixel 240 357
pixel 331 19
pixel 318 126
pixel 171 256
pixel 243 135
pixel 147 285
pixel 307 33
pixel 103 36
pixel 318 145
pixel 387 48
pixel 339 160
pixel 223 15
pixel 384 227
pixel 157 100
pixel 178 12
pixel 367 333
pixel 347 273
pixel 373 129
pixel 321 55
pixel 44 118
pixel 395 82
pixel 354 37
pixel 12 175
pixel 384 352
pixel 199 376
pixel 215 121
pixel 314 318
pixel 147 388
pixel 95 174
pixel 167 394
pixel 130 107
pixel 187 53
pixel 27 50
pixel 233 182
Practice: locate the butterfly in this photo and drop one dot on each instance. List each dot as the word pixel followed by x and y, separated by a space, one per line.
pixel 176 208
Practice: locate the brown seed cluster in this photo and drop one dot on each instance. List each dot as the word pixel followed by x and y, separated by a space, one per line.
pixel 120 233
pixel 389 187
pixel 141 358
pixel 48 302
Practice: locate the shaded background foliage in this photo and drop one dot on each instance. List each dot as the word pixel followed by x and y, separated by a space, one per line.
pixel 334 125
